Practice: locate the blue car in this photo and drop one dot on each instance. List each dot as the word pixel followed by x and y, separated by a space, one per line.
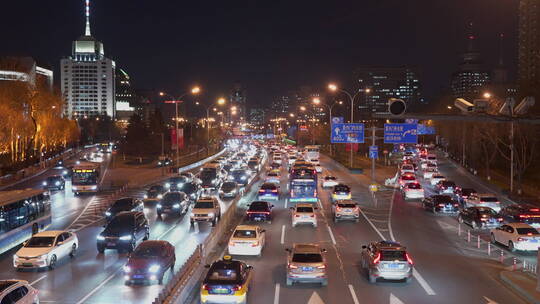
pixel 259 211
pixel 269 191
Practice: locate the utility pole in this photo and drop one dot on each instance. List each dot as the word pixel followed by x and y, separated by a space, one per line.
pixel 512 156
pixel 373 138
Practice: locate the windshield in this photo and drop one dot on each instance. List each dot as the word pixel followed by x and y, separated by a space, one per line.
pixel 443 199
pixel 84 178
pixel 393 255
pixel 268 186
pixel 208 174
pixel 489 199
pixel 156 188
pixel 40 241
pixel 189 188
pixel 225 273
pixel 244 234
pixel 341 205
pixel 204 205
pixel 330 178
pixel 525 231
pixel 172 197
pixel 487 211
pixel 122 204
pixel 466 191
pixel 120 223
pixel 51 179
pixel 304 209
pixel 258 206
pixel 228 186
pixel 341 188
pixel 307 258
pixel 238 173
pixel 147 252
pixel 414 186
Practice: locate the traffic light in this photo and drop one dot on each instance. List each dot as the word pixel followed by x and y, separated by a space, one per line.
pixel 397 106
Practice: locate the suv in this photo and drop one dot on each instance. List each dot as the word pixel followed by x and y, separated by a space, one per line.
pixel 483 200
pixel 304 214
pixel 123 232
pixel 56 182
pixel 387 260
pixel 306 263
pixel 206 209
pixel 17 291
pixel 259 211
pixel 345 209
pixel 173 202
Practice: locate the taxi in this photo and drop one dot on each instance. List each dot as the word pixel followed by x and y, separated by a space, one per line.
pixel 341 192
pixel 227 281
pixel 247 240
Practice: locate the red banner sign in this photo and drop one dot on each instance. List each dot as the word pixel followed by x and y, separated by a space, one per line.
pixel 177 140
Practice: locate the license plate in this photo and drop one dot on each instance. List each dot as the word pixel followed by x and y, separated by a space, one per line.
pixel 393 265
pixel 138 276
pixel 258 219
pixel 307 268
pixel 27 264
pixel 221 290
pixel 533 241
pixel 111 244
pixel 305 216
pixel 348 210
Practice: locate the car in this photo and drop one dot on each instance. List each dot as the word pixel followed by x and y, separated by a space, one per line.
pixel 268 191
pixel 292 158
pixel 45 249
pixel 387 260
pixel 429 172
pixel 424 164
pixel 345 210
pixel 123 204
pixel 247 240
pixel 206 209
pixel 406 179
pixel 240 176
pixel 432 158
pixel 192 189
pixel 188 175
pixel 149 262
pixel 227 281
pixel 306 263
pixel 436 178
pixel 445 187
pixel 54 182
pixel 229 190
pixel 175 183
pixel 315 162
pixel 173 202
pixel 463 193
pixel 484 200
pixel 164 162
pixel 303 214
pixel 413 191
pixel 259 211
pixel 228 168
pixel 517 236
pixel 341 192
pixel 440 204
pixel 480 217
pixel 521 213
pixel 123 232
pixel 274 166
pixel 254 164
pixel 329 181
pixel 155 192
pixel 407 169
pixel 277 159
pixel 274 176
pixel 17 292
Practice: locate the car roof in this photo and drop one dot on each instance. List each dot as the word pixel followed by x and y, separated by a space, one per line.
pixel 519 225
pixel 246 227
pixel 304 205
pixel 49 233
pixel 389 245
pixel 306 248
pixel 206 199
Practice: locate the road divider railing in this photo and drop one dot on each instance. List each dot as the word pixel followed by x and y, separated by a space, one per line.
pixel 181 286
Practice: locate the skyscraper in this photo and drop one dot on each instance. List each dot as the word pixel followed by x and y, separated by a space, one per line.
pixel 237 99
pixel 529 48
pixel 88 77
pixel 125 96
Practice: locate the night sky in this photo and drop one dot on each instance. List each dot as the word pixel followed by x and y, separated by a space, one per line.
pixel 268 46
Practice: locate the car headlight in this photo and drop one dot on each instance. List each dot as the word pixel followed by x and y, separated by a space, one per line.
pixel 57 183
pixel 160 196
pixel 179 185
pixel 176 206
pixel 94 187
pixel 154 268
pixel 193 195
pixel 159 163
pixel 210 214
pixel 158 206
pixel 107 213
pixel 100 237
pixel 125 238
pixel 146 196
pixel 167 185
pixel 65 172
pixel 127 269
pixel 243 178
pixel 43 257
pixel 44 183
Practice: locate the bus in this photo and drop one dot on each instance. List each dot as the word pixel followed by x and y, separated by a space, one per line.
pixel 211 176
pixel 105 147
pixel 22 214
pixel 85 177
pixel 311 152
pixel 303 185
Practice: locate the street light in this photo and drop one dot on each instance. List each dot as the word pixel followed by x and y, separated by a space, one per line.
pixel 317 101
pixel 194 91
pixel 220 101
pixel 487 95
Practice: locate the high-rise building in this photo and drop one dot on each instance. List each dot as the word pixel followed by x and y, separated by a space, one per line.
pixel 281 104
pixel 237 99
pixel 529 48
pixel 470 78
pixel 257 116
pixel 26 69
pixel 126 99
pixel 88 78
pixel 380 83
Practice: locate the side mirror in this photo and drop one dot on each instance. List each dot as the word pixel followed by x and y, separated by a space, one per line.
pixel 323 250
pixel 364 247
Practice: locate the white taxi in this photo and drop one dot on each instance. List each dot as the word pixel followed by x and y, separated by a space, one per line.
pixel 517 236
pixel 247 240
pixel 413 191
pixel 329 181
pixel 304 214
pixel 45 249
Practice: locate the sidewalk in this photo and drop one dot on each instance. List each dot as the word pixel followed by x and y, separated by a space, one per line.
pixel 523 284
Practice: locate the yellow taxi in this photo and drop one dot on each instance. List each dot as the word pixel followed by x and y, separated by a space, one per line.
pixel 227 281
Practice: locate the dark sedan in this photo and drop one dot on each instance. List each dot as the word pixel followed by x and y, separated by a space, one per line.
pixel 54 182
pixel 155 192
pixel 463 193
pixel 259 211
pixel 149 262
pixel 441 204
pixel 480 217
pixel 173 203
pixel 522 213
pixel 124 204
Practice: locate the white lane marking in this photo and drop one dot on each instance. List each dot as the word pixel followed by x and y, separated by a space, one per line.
pixel 283 234
pixel 395 300
pixel 286 202
pixel 390 215
pixel 372 226
pixel 489 301
pixel 315 299
pixel 276 294
pixel 423 283
pixel 167 231
pixel 39 279
pixel 353 294
pixel 91 293
pixel 82 212
pixel 331 234
pixel 320 204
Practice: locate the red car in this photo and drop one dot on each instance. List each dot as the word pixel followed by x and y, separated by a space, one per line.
pixel 149 262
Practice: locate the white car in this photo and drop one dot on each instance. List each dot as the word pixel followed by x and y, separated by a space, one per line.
pixel 318 169
pixel 429 172
pixel 45 249
pixel 18 291
pixel 292 159
pixel 423 164
pixel 436 178
pixel 304 214
pixel 413 191
pixel 329 181
pixel 247 240
pixel 432 158
pixel 407 179
pixel 276 159
pixel 273 176
pixel 431 166
pixel 407 169
pixel 483 200
pixel 517 236
pixel 315 161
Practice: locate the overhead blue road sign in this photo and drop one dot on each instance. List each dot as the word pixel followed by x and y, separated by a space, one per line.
pixel 336 120
pixel 373 152
pixel 348 133
pixel 399 133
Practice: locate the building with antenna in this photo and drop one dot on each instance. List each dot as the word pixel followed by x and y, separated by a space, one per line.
pixel 87 77
pixel 529 48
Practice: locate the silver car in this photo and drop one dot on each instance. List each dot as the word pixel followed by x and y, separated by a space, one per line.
pixel 306 263
pixel 387 260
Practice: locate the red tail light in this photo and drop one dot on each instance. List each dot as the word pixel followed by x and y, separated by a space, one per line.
pixel 296 215
pixel 261 191
pixel 255 244
pixel 409 260
pixel 292 266
pixel 377 258
pixel 456 205
pixel 500 219
pixel 484 219
pixel 440 205
pixel 338 209
pixel 520 239
pixel 534 210
pixel 206 287
pixel 321 267
pixel 236 288
pixel 275 190
pixel 529 234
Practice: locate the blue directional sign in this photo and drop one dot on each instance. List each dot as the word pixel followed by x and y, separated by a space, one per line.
pixel 348 133
pixel 336 120
pixel 400 133
pixel 373 152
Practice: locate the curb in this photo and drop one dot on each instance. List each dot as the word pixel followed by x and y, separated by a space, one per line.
pixel 518 289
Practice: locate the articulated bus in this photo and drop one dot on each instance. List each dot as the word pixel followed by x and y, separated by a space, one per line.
pixel 85 177
pixel 22 214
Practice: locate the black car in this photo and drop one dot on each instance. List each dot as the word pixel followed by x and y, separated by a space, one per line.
pixel 164 162
pixel 446 187
pixel 175 183
pixel 123 204
pixel 124 232
pixel 54 182
pixel 522 213
pixel 480 217
pixel 229 190
pixel 253 164
pixel 259 211
pixel 463 193
pixel 240 176
pixel 228 168
pixel 155 192
pixel 440 204
pixel 192 189
pixel 173 203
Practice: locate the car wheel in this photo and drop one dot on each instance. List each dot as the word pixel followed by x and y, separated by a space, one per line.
pixel 73 251
pixel 52 262
pixel 101 249
pixel 214 222
pixel 493 240
pixel 324 283
pixel 408 280
pixel 460 219
pixel 371 278
pixel 289 282
pixel 474 224
pixel 511 246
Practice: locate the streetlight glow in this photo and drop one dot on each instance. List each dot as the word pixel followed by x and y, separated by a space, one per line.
pixel 302 108
pixel 367 90
pixel 487 95
pixel 316 100
pixel 161 94
pixel 332 87
pixel 221 101
pixel 195 90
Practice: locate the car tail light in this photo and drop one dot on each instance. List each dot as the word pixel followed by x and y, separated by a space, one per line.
pixel 261 191
pixel 520 239
pixel 255 244
pixel 529 234
pixel 236 288
pixel 500 219
pixel 377 258
pixel 409 260
pixel 296 215
pixel 534 210
pixel 456 205
pixel 313 215
pixel 440 205
pixel 338 209
pixel 484 219
pixel 206 287
pixel 292 266
pixel 321 267
pixel 275 190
